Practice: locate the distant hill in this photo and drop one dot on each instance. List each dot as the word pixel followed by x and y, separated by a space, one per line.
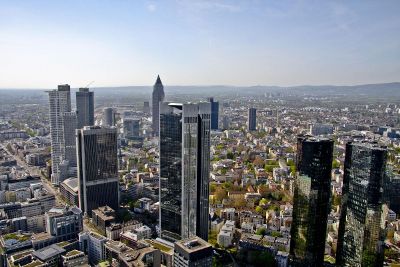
pixel 364 91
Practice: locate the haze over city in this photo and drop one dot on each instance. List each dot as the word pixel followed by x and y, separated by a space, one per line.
pixel 243 43
pixel 199 133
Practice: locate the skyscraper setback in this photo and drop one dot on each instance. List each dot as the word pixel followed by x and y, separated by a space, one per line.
pixel 85 107
pixel 62 127
pixel 97 168
pixel 158 96
pixel 311 200
pixel 184 170
pixel 361 229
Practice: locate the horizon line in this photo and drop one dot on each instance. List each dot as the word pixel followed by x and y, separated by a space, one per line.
pixel 212 85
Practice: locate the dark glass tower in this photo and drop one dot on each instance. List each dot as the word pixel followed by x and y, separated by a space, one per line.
pixel 85 107
pixel 158 96
pixel 184 170
pixel 311 201
pixel 97 168
pixel 214 113
pixel 361 229
pixel 252 119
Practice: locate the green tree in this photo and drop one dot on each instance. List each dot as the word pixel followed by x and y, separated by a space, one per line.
pixel 259 209
pixel 261 231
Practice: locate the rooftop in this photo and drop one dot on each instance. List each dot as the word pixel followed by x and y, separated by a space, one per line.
pixel 192 244
pixel 48 252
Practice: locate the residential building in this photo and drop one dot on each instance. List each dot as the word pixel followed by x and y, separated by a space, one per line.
pixel 103 217
pixel 93 245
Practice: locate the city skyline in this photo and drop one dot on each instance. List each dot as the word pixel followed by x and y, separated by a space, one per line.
pixel 204 43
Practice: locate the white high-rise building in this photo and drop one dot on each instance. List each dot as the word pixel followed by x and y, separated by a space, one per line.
pixel 62 127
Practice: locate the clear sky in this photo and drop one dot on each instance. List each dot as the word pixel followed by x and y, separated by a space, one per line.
pixel 129 42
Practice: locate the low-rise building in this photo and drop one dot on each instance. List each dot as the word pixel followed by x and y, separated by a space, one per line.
pixel 192 252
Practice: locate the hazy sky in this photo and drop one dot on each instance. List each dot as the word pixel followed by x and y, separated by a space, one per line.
pixel 116 42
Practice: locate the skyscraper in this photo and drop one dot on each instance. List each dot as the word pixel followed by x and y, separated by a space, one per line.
pixel 131 127
pixel 361 229
pixel 184 170
pixel 97 168
pixel 85 107
pixel 158 96
pixel 252 119
pixel 69 127
pixel 108 117
pixel 311 201
pixel 60 109
pixel 214 113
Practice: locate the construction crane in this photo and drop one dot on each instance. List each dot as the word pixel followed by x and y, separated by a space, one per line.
pixel 89 84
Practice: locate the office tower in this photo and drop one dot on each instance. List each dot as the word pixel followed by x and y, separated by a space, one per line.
pixel 361 229
pixel 97 168
pixel 85 107
pixel 192 252
pixel 392 189
pixel 108 117
pixel 59 105
pixel 146 107
pixel 184 170
pixel 69 127
pixel 131 128
pixel 252 120
pixel 158 96
pixel 321 129
pixel 214 113
pixel 64 223
pixel 311 200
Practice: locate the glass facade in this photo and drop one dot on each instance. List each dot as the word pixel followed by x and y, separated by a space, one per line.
pixel 311 201
pixel 85 107
pixel 97 168
pixel 361 230
pixel 252 119
pixel 184 170
pixel 214 113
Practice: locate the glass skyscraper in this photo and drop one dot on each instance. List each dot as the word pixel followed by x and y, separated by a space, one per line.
pixel 97 168
pixel 361 229
pixel 85 107
pixel 252 119
pixel 311 200
pixel 184 170
pixel 214 113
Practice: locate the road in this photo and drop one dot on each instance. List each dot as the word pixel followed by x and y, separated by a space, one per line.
pixel 35 171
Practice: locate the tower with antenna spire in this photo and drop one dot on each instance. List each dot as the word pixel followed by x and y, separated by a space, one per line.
pixel 158 96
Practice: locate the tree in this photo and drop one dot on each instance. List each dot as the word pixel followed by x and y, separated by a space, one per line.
pixel 263 201
pixel 240 202
pixel 261 231
pixel 213 187
pixel 230 155
pixel 220 194
pixel 259 209
pixel 258 161
pixel 335 164
pixel 263 190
